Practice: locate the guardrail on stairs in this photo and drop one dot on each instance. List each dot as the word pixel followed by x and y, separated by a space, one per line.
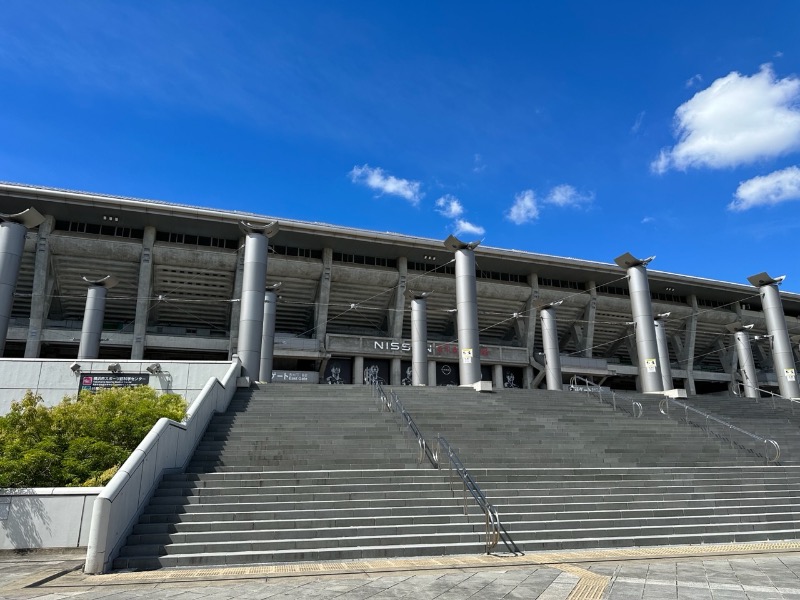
pixel 772 395
pixel 495 531
pixel 707 422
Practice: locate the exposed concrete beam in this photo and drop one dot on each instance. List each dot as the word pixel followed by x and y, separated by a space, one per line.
pixel 144 294
pixel 323 297
pixel 42 289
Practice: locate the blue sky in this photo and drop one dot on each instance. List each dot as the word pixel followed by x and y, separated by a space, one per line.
pixel 583 129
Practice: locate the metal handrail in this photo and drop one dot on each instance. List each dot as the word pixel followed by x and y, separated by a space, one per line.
pixel 772 395
pixel 392 403
pixel 592 388
pixel 663 407
pixel 494 528
pixel 495 531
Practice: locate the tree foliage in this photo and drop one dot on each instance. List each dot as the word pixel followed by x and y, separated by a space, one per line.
pixel 81 441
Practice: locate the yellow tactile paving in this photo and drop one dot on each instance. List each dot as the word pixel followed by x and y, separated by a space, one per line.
pixel 563 560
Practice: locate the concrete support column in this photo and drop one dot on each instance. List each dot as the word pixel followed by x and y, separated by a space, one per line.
pixel 12 246
pixel 358 370
pixel 144 294
pixel 782 355
pixel 747 366
pixel 552 357
pixel 268 332
pixel 497 376
pixel 469 355
pixel 323 297
pixel 236 305
pixel 590 316
pixel 663 352
pixel 432 373
pixel 419 337
pixel 93 316
pixel 690 340
pixel 397 315
pixel 642 309
pixel 528 378
pixel 251 319
pixel 395 372
pixel 42 289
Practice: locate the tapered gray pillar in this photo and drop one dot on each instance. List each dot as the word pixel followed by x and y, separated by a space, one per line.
pixel 469 355
pixel 744 352
pixel 552 356
pixel 268 333
pixel 254 280
pixel 93 316
pixel 642 309
pixel 419 337
pixel 663 351
pixel 12 246
pixel 782 356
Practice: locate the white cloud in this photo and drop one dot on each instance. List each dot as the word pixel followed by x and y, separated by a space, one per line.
pixel 524 209
pixel 478 166
pixel 766 190
pixel 462 227
pixel 647 220
pixel 566 195
pixel 694 80
pixel 449 206
pixel 377 179
pixel 736 120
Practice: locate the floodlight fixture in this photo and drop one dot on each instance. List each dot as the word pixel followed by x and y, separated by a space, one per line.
pixel 663 316
pixel 764 279
pixel 628 260
pixel 115 368
pixel 154 369
pixel 76 368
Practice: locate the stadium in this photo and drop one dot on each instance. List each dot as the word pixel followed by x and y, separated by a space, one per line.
pixel 557 379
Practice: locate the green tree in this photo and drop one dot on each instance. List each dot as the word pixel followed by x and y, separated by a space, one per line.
pixel 81 441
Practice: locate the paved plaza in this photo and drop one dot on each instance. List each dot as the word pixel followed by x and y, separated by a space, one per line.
pixel 762 571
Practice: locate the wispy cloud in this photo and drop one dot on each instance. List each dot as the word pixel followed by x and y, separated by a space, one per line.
pixel 767 190
pixel 449 206
pixel 648 220
pixel 737 120
pixel 478 166
pixel 637 124
pixel 377 179
pixel 462 227
pixel 567 195
pixel 525 208
pixel 694 80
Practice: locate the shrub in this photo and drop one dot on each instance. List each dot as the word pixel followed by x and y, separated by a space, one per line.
pixel 81 441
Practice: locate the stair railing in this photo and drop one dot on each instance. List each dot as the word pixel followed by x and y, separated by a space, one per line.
pixel 390 402
pixel 495 531
pixel 771 395
pixel 593 389
pixel 494 528
pixel 706 423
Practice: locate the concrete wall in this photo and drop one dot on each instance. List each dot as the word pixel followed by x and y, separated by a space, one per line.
pixel 45 517
pixel 168 447
pixel 53 378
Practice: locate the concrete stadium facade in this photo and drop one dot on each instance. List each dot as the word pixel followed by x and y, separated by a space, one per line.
pixel 342 311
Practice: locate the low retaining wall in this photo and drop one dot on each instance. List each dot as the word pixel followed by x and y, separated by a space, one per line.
pixel 53 378
pixel 167 448
pixel 35 518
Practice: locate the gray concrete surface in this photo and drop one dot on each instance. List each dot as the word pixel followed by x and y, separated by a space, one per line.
pixel 682 573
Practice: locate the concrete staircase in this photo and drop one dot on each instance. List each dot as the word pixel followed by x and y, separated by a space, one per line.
pixel 299 472
pixel 318 472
